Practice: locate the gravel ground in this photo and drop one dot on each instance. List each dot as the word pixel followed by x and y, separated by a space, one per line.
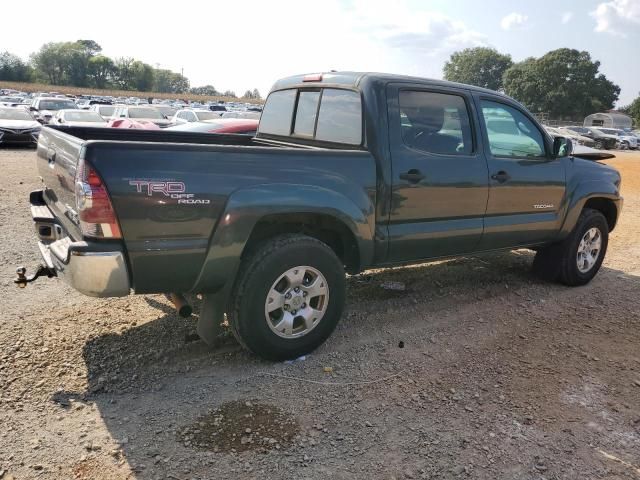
pixel 476 370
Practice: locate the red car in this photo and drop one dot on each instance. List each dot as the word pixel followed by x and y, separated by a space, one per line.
pixel 241 126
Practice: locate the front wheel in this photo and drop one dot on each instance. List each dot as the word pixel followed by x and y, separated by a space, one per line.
pixel 577 259
pixel 288 297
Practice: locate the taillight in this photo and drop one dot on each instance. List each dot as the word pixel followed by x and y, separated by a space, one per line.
pixel 95 212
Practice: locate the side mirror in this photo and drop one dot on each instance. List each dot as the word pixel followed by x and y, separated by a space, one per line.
pixel 32 109
pixel 562 147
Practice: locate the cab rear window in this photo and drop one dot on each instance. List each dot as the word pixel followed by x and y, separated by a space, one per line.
pixel 328 115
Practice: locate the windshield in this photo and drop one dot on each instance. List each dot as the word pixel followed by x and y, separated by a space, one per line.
pixel 610 131
pixel 81 116
pixel 14 114
pixel 207 115
pixel 145 113
pixel 56 105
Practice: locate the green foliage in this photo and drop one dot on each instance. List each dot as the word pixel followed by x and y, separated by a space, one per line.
pixel 252 94
pixel 167 81
pixel 205 90
pixel 101 70
pixel 482 67
pixel 633 110
pixel 13 69
pixel 564 83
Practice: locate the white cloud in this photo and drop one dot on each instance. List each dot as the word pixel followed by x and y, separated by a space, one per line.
pixel 424 32
pixel 513 20
pixel 617 16
pixel 566 17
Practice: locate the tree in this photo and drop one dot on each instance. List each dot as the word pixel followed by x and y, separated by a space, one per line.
pixel 479 66
pixel 248 94
pixel 256 94
pixel 50 63
pixel 143 76
pixel 13 69
pixel 633 110
pixel 123 72
pixel 230 93
pixel 564 83
pixel 205 90
pixel 101 70
pixel 167 81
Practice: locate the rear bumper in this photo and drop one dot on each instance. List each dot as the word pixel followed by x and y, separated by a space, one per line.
pixel 94 269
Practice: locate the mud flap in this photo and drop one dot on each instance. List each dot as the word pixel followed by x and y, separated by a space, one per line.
pixel 211 317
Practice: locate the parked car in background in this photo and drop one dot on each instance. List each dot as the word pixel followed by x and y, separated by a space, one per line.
pixel 148 113
pixel 627 141
pixel 193 115
pixel 135 124
pixel 240 114
pixel 78 118
pixel 17 126
pixel 44 108
pixel 105 111
pixel 167 110
pixel 601 140
pixel 221 125
pixel 575 137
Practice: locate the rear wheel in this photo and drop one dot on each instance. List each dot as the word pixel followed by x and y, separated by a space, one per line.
pixel 288 297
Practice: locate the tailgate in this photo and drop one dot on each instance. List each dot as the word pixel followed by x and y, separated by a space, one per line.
pixel 58 154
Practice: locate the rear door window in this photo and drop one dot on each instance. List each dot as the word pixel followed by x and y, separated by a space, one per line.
pixel 435 122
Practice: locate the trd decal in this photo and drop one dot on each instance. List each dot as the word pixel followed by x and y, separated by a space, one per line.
pixel 174 190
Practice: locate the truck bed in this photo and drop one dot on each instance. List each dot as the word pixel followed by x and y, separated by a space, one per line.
pixel 231 179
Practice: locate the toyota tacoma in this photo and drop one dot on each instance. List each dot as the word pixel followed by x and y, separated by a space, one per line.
pixel 347 171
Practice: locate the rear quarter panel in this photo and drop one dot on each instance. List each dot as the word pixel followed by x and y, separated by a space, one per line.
pixel 178 247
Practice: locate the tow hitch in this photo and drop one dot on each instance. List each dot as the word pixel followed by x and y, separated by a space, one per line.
pixel 41 271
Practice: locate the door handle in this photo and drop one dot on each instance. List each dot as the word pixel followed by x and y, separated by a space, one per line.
pixel 501 176
pixel 413 176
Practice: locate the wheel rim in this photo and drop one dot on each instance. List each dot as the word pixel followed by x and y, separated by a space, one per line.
pixel 589 249
pixel 296 302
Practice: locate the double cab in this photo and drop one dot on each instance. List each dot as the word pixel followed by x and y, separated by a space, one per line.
pixel 347 171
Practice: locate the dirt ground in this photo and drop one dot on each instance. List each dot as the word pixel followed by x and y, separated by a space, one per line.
pixel 500 376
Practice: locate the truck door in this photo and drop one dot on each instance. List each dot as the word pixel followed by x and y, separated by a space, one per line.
pixel 439 173
pixel 526 184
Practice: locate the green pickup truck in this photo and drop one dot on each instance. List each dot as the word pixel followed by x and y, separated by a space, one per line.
pixel 348 171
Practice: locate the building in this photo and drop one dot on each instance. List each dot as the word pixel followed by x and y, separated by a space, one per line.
pixel 608 119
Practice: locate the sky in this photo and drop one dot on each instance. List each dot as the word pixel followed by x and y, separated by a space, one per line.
pixel 246 44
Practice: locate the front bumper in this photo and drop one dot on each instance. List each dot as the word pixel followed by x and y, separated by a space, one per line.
pixel 18 137
pixel 92 268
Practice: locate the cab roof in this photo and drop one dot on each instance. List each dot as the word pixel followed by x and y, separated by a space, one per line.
pixel 357 79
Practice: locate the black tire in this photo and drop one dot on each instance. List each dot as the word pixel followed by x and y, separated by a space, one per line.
pixel 258 273
pixel 559 261
pixel 599 145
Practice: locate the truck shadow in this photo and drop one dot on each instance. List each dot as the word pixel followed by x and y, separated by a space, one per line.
pixel 152 379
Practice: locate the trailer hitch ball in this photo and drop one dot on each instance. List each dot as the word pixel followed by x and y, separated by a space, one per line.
pixel 21 281
pixel 41 271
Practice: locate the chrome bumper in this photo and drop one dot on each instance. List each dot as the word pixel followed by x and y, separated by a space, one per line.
pixel 94 269
pixel 97 274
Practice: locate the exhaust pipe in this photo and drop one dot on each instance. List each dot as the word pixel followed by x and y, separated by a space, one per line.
pixel 182 306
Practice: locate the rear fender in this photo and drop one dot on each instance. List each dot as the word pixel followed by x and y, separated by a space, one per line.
pixel 244 210
pixel 246 207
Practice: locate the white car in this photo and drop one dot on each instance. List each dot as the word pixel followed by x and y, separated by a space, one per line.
pixel 78 118
pixel 192 115
pixel 105 111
